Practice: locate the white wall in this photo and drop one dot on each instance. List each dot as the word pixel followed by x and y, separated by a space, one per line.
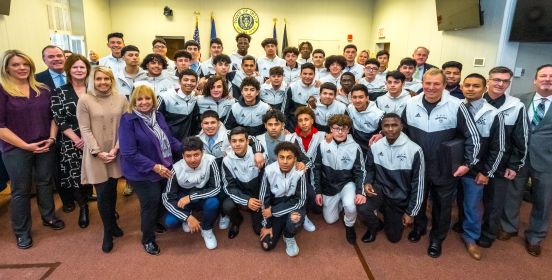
pixel 26 29
pixel 530 57
pixel 97 24
pixel 412 23
pixel 142 20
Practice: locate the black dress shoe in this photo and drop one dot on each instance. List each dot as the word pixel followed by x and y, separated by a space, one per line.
pixel 434 249
pixel 68 207
pixel 414 236
pixel 107 244
pixel 24 242
pixel 152 248
pixel 350 235
pixel 117 231
pixel 159 228
pixel 369 236
pixel 92 197
pixel 55 224
pixel 84 216
pixel 233 231
pixel 457 227
pixel 484 242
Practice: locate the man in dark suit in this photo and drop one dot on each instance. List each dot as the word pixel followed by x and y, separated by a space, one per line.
pixel 421 54
pixel 538 164
pixel 54 59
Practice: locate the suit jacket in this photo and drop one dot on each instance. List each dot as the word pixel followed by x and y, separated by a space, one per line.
pixel 45 78
pixel 539 154
pixel 428 66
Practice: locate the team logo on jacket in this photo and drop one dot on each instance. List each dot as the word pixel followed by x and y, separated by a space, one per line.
pixel 482 121
pixel 401 157
pixel 441 118
pixel 418 115
pixel 345 158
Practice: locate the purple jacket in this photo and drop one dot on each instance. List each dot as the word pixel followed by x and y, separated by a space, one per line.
pixel 140 149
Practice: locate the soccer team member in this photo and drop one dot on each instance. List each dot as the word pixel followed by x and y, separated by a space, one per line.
pixel 183 61
pixel 430 119
pixel 306 49
pixel 194 49
pixel 366 117
pixel 318 58
pixel 283 193
pixel 114 60
pixel 159 46
pixel 273 93
pixel 241 180
pixel 131 72
pixel 249 110
pixel 395 182
pixel 180 107
pixel 394 101
pixel 208 66
pixel 247 69
pixel 375 85
pixel 194 186
pixel 453 72
pixel 347 82
pixel 339 175
pixel 162 82
pixel 299 93
pixel 242 44
pixel 270 59
pixel 407 66
pixel 383 58
pixel 327 106
pixel 291 69
pixel 490 124
pixel 350 52
pixel 215 97
pixel 334 65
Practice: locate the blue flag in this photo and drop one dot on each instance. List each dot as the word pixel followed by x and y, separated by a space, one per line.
pixel 196 33
pixel 274 35
pixel 213 28
pixel 285 40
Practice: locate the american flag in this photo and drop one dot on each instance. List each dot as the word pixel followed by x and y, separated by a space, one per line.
pixel 196 33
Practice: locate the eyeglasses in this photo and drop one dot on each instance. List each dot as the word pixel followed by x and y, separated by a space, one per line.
pixel 498 81
pixel 160 46
pixel 370 69
pixel 340 129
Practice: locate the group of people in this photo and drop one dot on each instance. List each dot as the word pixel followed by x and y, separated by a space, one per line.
pixel 278 138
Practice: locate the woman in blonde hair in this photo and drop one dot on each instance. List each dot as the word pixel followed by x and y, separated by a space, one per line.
pixel 98 114
pixel 64 109
pixel 147 146
pixel 27 136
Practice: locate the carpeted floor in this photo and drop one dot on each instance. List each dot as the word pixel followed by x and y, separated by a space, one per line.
pixel 75 253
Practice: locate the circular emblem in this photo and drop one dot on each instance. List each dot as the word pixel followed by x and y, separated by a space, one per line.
pixel 246 21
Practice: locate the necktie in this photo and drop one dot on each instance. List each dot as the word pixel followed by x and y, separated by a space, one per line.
pixel 471 109
pixel 538 113
pixel 60 80
pixel 211 142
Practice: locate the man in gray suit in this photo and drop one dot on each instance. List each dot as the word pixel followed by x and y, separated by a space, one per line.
pixel 539 161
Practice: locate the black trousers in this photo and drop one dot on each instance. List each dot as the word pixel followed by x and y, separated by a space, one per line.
pixel 283 225
pixel 24 166
pixel 442 197
pixel 392 213
pixel 232 210
pixel 107 201
pixel 151 208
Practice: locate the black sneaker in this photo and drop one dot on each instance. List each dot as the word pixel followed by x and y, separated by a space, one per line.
pixel 24 242
pixel 152 248
pixel 350 234
pixel 233 231
pixel 55 224
pixel 369 236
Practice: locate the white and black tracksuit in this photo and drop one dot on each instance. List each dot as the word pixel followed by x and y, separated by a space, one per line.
pixel 181 113
pixel 297 95
pixel 390 104
pixel 125 84
pixel 339 175
pixel 323 113
pixel 222 106
pixel 276 98
pixel 365 124
pixel 248 116
pixel 499 206
pixel 284 193
pixel 447 120
pixel 162 84
pixel 396 172
pixel 241 181
pixel 201 183
pixel 376 88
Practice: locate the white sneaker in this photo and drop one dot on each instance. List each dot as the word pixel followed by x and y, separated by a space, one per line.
pixel 308 225
pixel 292 249
pixel 185 227
pixel 209 238
pixel 224 222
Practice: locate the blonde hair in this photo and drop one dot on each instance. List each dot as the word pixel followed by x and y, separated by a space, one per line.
pixel 435 72
pixel 139 91
pixel 6 80
pixel 104 70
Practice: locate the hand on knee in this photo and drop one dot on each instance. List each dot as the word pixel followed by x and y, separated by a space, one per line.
pixel 295 217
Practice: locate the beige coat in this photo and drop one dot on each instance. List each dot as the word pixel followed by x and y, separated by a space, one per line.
pixel 99 118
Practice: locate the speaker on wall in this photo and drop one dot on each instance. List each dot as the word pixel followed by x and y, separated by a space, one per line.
pixel 5 7
pixel 532 21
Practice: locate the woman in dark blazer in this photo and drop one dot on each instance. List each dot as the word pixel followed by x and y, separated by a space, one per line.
pixel 147 145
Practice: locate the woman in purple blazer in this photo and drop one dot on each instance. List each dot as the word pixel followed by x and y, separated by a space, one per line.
pixel 146 146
